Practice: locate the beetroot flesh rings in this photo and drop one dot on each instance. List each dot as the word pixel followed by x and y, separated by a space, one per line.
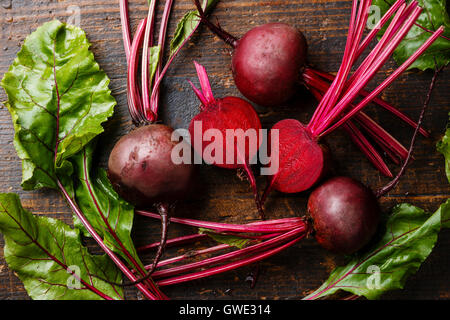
pixel 345 215
pixel 267 62
pixel 141 169
pixel 229 113
pixel 222 117
pixel 302 161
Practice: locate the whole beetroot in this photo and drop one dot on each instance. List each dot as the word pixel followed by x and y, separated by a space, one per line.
pixel 142 171
pixel 345 215
pixel 267 62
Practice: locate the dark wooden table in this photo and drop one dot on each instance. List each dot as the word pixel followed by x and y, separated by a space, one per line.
pixel 224 197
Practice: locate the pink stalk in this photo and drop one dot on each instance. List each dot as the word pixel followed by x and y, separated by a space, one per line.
pixel 174 242
pixel 191 254
pixel 161 42
pixel 312 81
pixel 378 26
pixel 373 156
pixel 362 81
pixel 148 42
pixel 382 137
pixel 354 37
pixel 159 79
pixel 125 27
pixel 361 142
pixel 105 248
pixel 228 267
pixel 389 80
pixel 223 227
pixel 260 247
pixel 399 19
pixel 134 100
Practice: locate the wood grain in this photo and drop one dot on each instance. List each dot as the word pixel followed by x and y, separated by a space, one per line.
pixel 223 197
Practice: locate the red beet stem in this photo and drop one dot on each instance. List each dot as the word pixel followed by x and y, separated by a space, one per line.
pixel 133 95
pixel 270 226
pixel 148 42
pixel 309 76
pixel 358 138
pixel 192 254
pixel 125 21
pixel 389 80
pixel 161 42
pixel 260 247
pixel 158 80
pixel 173 242
pixel 364 78
pixel 229 266
pixel 216 29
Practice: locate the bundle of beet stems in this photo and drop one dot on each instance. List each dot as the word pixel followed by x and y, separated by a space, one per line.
pixel 337 106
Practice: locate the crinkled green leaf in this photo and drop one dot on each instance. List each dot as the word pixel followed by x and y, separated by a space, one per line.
pixel 46 253
pixel 409 238
pixel 443 147
pixel 58 98
pixel 433 16
pixel 225 239
pixel 154 54
pixel 109 214
pixel 187 26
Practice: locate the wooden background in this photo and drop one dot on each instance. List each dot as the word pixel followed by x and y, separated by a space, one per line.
pixel 224 197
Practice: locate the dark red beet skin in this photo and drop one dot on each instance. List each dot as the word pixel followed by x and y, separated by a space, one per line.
pixel 302 160
pixel 222 114
pixel 141 169
pixel 267 63
pixel 345 215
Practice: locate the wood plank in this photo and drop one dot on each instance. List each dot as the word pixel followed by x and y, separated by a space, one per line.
pixel 223 196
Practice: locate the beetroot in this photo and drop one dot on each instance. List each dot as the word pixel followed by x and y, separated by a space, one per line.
pixel 345 215
pixel 141 169
pixel 302 161
pixel 267 61
pixel 230 114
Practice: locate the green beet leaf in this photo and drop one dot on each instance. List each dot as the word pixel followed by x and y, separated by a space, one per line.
pixel 110 215
pixel 187 26
pixel 433 16
pixel 233 241
pixel 443 147
pixel 49 258
pixel 409 238
pixel 58 98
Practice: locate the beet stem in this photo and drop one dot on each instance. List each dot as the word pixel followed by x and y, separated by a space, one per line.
pixel 148 42
pixel 228 267
pixel 358 138
pixel 125 21
pixel 270 226
pixel 216 29
pixel 388 81
pixel 161 42
pixel 391 185
pixel 133 95
pixel 157 82
pixel 252 179
pixel 163 210
pixel 362 143
pixel 311 80
pixel 383 138
pixel 362 80
pixel 174 242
